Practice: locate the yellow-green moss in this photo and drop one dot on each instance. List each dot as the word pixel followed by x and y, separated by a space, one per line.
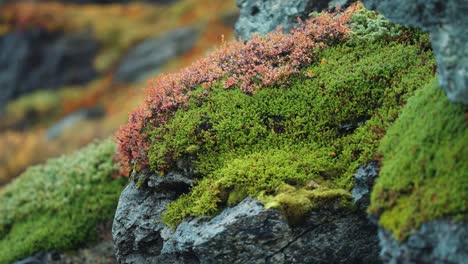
pixel 425 164
pixel 57 206
pixel 319 125
pixel 295 201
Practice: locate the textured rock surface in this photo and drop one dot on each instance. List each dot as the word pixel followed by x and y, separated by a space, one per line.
pixel 31 60
pixel 364 181
pixel 441 241
pixel 72 119
pixel 448 23
pixel 146 58
pixel 265 16
pixel 246 233
pixel 137 230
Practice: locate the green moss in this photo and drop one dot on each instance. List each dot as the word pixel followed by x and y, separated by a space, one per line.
pixel 425 164
pixel 319 125
pixel 56 206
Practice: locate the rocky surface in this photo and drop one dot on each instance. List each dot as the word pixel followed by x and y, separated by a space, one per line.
pixel 265 16
pixel 149 56
pixel 441 241
pixel 246 233
pixel 36 59
pixel 137 230
pixel 364 181
pixel 72 119
pixel 447 22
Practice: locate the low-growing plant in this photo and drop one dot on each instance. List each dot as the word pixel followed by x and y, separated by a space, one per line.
pixel 369 26
pixel 58 205
pixel 318 128
pixel 424 174
pixel 259 62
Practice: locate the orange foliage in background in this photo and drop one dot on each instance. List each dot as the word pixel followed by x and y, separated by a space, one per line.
pixel 117 27
pixel 259 62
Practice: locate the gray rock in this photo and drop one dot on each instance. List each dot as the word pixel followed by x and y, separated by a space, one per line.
pixel 331 236
pixel 36 59
pixel 173 181
pixel 265 16
pixel 447 22
pixel 60 126
pixel 137 229
pixel 246 233
pixel 148 57
pixel 364 181
pixel 441 241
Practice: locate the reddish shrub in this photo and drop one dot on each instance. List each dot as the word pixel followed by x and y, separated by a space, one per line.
pixel 259 62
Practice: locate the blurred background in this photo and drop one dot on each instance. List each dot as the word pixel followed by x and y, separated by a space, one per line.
pixel 72 70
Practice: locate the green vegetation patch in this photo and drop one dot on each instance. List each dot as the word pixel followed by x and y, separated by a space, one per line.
pixel 56 206
pixel 425 164
pixel 320 125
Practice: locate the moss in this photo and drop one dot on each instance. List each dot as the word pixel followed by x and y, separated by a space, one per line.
pixel 56 206
pixel 425 164
pixel 319 125
pixel 295 202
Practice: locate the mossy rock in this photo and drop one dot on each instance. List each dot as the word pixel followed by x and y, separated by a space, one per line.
pixel 58 205
pixel 319 125
pixel 425 164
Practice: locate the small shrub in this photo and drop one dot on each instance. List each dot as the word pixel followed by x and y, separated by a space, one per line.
pixel 259 62
pixel 370 26
pixel 57 206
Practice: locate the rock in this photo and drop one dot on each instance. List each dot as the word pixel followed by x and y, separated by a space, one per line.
pixel 60 126
pixel 441 241
pixel 137 229
pixel 172 181
pixel 265 16
pixel 447 22
pixel 149 56
pixel 262 232
pixel 246 233
pixel 364 181
pixel 36 59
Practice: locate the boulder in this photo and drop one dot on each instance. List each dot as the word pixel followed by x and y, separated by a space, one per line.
pixel 265 16
pixel 447 23
pixel 137 230
pixel 248 233
pixel 440 241
pixel 245 233
pixel 147 58
pixel 37 59
pixel 57 129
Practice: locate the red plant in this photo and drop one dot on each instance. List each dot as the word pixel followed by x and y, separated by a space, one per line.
pixel 261 61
